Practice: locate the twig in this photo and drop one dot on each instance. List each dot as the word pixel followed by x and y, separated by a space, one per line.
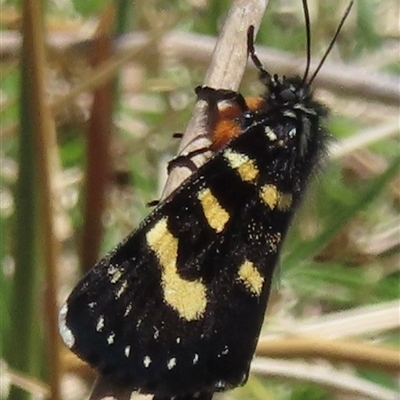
pixel 227 66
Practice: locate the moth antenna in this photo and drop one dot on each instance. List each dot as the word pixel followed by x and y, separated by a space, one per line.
pixel 328 50
pixel 265 76
pixel 308 39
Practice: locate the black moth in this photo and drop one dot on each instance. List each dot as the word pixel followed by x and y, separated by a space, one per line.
pixel 175 310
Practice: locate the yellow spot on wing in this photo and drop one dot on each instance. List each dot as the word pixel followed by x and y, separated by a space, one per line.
pixel 270 195
pixel 251 278
pixel 285 201
pixel 216 216
pixel 245 167
pixel 188 298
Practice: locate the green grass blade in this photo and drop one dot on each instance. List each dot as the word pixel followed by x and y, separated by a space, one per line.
pixel 306 250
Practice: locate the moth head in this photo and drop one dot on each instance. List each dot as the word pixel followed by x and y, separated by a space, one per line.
pixel 293 89
pixel 287 92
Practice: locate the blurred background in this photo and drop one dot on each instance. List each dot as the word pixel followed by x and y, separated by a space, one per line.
pixel 86 133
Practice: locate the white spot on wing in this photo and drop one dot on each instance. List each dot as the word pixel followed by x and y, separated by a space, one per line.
pixel 146 361
pixel 127 351
pixel 195 359
pixel 156 333
pixel 271 135
pixel 171 363
pixel 122 289
pixel 110 339
pixel 115 273
pixel 128 309
pixel 220 385
pixel 100 324
pixel 65 332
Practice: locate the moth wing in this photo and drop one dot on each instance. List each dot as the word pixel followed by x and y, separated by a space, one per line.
pixel 177 307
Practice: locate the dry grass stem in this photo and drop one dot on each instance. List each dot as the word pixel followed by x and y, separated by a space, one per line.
pixel 364 138
pixel 359 354
pixel 366 320
pixel 324 376
pixel 46 160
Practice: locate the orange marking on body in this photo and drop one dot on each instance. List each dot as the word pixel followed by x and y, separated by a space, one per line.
pixel 230 111
pixel 224 131
pixel 254 103
pixel 227 127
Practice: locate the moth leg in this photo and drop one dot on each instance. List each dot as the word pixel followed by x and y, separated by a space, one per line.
pixel 186 160
pixel 152 203
pixel 213 96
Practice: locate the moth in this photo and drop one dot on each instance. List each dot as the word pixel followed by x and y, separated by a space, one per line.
pixel 175 310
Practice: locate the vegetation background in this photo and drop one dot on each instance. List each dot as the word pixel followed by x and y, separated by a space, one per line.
pixel 86 129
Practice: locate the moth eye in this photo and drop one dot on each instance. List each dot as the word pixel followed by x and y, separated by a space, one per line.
pixel 288 95
pixel 248 115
